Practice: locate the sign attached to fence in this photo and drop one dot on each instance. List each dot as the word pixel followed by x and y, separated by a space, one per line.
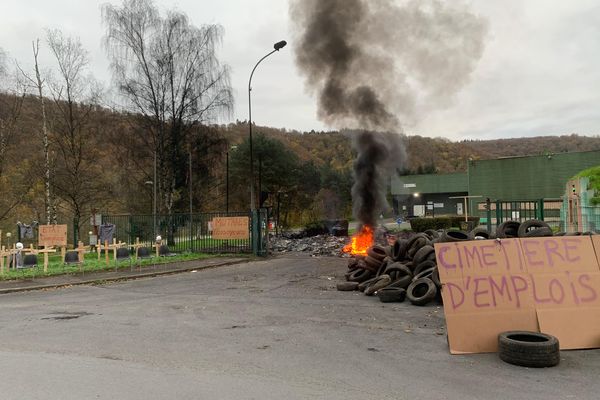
pixel 545 284
pixel 52 235
pixel 230 228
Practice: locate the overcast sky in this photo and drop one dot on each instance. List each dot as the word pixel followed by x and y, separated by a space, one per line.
pixel 539 74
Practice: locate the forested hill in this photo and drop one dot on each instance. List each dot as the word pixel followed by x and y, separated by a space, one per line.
pixel 424 154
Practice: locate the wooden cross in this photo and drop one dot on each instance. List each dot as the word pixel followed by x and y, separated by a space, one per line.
pixel 81 249
pixel 135 247
pixel 44 251
pixel 3 253
pixel 157 246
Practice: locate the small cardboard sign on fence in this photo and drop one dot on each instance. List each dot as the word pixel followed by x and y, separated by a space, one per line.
pixel 230 228
pixel 547 284
pixel 52 235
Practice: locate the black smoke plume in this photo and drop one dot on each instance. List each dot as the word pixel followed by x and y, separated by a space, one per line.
pixel 372 63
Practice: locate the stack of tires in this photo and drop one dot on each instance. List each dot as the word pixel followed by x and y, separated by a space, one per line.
pixel 406 270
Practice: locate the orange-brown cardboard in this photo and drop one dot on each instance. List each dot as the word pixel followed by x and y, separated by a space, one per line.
pixel 566 290
pixel 478 257
pixel 486 294
pixel 575 328
pixel 596 243
pixel 478 333
pixel 560 253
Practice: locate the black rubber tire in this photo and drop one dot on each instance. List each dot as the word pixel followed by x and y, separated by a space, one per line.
pixel 508 229
pixel 422 254
pixel 421 291
pixel 415 243
pixel 399 249
pixel 402 269
pixel 529 349
pixel 435 278
pixel 364 284
pixel 372 264
pixel 454 236
pixel 426 273
pixel 381 282
pixel 377 252
pixel 530 226
pixel 391 295
pixel 479 233
pixel 402 282
pixel 561 233
pixel 352 263
pixel 382 268
pixel 423 266
pixel 360 275
pixel 539 232
pixel 347 286
pixel 433 234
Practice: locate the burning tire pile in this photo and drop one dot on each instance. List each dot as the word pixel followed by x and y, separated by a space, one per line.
pixel 405 270
pixel 408 268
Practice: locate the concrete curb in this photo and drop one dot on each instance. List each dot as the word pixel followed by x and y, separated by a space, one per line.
pixel 99 280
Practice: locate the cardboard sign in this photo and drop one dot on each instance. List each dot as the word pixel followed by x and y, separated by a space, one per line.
pixel 547 284
pixel 230 228
pixel 52 235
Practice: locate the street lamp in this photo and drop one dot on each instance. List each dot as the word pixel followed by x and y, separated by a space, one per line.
pixel 277 46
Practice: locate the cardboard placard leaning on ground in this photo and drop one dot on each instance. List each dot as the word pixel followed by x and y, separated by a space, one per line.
pixel 547 284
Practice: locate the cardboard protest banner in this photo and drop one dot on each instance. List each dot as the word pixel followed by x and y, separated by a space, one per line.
pixel 230 228
pixel 52 235
pixel 548 284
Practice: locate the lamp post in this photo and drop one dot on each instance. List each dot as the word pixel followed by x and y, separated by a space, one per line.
pixel 276 46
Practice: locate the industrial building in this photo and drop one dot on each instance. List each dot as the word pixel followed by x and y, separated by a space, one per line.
pixel 518 180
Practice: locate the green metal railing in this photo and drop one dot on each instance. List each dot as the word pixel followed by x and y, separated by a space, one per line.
pixel 186 232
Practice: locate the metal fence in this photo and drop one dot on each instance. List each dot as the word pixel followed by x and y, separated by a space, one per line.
pixel 184 232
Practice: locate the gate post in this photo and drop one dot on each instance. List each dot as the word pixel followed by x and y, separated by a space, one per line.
pixel 541 209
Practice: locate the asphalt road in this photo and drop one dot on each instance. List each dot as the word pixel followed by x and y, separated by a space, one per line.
pixel 273 329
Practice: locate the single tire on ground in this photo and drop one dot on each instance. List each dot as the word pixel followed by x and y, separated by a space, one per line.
pixel 421 291
pixel 391 295
pixel 528 349
pixel 530 226
pixel 347 286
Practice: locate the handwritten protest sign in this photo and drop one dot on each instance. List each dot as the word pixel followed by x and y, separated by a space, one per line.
pixel 52 235
pixel 230 228
pixel 548 284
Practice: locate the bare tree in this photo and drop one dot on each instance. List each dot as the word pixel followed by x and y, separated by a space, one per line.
pixel 38 83
pixel 75 180
pixel 168 72
pixel 12 95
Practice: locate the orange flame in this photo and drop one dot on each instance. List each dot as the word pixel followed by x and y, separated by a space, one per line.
pixel 360 242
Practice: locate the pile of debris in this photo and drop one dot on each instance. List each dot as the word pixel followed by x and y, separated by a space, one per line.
pixel 320 245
